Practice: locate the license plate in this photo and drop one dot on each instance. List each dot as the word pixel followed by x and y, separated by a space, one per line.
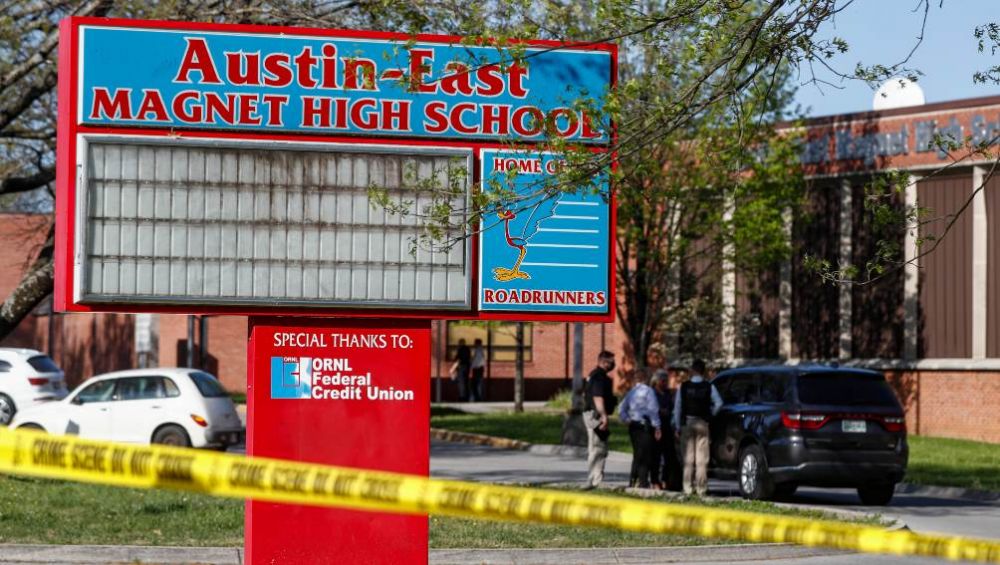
pixel 854 426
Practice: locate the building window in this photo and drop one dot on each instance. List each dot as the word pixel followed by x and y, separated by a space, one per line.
pixel 499 339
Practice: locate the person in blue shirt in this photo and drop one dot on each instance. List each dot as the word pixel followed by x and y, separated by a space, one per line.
pixel 641 411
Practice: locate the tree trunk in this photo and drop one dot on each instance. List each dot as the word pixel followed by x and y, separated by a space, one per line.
pixel 519 370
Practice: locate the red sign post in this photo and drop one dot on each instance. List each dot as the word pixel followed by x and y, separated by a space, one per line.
pixel 340 392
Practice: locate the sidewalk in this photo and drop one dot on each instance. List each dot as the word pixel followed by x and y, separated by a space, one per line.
pixel 102 554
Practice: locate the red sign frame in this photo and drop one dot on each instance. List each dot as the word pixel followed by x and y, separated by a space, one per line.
pixel 66 190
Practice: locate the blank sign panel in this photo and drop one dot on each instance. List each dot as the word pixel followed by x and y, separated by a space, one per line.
pixel 185 221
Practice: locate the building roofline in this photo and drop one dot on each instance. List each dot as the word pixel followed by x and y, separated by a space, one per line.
pixel 950 105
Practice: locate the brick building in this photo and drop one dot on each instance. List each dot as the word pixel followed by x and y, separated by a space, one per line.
pixel 934 327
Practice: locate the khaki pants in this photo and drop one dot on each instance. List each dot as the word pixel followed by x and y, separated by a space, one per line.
pixel 694 441
pixel 597 449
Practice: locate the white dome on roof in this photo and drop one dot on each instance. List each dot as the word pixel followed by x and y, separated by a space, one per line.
pixel 898 92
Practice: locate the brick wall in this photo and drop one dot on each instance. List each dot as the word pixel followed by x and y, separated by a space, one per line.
pixel 89 344
pixel 955 404
pixel 226 352
pixel 84 345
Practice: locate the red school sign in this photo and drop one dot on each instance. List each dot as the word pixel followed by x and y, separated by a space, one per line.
pixel 228 169
pixel 225 169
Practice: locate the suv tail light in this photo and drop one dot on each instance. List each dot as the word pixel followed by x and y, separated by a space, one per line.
pixel 38 381
pixel 803 421
pixel 894 423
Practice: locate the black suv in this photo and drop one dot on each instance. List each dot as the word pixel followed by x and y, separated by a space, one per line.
pixel 781 427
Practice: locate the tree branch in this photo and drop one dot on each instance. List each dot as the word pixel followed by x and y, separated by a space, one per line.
pixel 12 185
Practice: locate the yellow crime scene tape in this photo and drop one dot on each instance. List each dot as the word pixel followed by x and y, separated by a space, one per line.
pixel 230 475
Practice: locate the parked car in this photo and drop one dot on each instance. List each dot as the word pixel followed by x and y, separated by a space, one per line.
pixel 27 377
pixel 183 407
pixel 782 427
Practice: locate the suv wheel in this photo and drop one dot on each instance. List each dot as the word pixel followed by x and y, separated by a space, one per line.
pixel 877 494
pixel 172 435
pixel 755 481
pixel 7 409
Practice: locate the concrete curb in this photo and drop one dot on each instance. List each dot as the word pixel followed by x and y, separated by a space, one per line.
pixel 955 493
pixel 479 439
pixel 890 523
pixel 94 554
pixel 506 443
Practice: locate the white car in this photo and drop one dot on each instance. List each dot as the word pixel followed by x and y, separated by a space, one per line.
pixel 27 377
pixel 183 407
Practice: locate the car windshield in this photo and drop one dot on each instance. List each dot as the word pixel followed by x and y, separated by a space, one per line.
pixel 208 386
pixel 43 364
pixel 845 389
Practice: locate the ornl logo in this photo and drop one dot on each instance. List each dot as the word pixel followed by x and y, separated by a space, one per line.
pixel 291 377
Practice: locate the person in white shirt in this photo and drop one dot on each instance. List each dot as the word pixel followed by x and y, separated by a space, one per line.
pixel 478 368
pixel 694 405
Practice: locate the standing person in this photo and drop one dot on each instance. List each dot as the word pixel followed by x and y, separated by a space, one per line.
pixel 641 412
pixel 463 359
pixel 600 402
pixel 696 402
pixel 478 368
pixel 665 472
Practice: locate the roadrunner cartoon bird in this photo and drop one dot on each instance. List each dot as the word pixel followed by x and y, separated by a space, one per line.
pixel 541 210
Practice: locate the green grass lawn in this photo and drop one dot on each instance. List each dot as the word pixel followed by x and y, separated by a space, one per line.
pixel 447 533
pixel 43 511
pixel 933 461
pixel 48 511
pixel 533 427
pixel 954 462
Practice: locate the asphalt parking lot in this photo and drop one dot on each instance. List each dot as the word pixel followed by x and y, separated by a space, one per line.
pixel 920 512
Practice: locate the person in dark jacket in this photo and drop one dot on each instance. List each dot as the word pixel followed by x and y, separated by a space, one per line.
pixel 665 472
pixel 463 360
pixel 695 404
pixel 600 399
